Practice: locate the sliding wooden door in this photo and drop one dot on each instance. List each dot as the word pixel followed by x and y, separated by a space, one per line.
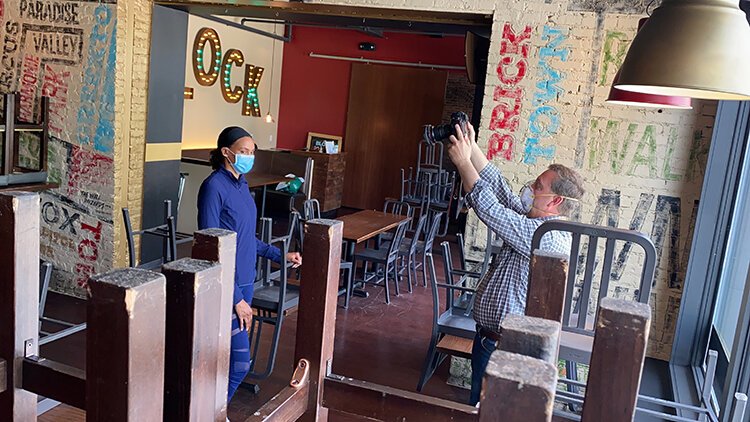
pixel 388 106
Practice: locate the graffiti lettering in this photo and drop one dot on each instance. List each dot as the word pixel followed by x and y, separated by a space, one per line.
pixel 545 119
pixel 625 160
pixel 53 44
pixel 8 60
pixel 50 11
pixel 95 122
pixel 88 250
pixel 613 56
pixel 666 225
pixel 55 86
pixel 51 216
pixel 87 169
pixel 514 49
pixel 69 220
pixel 29 84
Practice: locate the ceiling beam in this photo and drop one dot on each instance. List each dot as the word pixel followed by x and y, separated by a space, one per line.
pixel 370 17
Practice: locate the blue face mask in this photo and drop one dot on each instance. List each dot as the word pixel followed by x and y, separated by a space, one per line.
pixel 242 163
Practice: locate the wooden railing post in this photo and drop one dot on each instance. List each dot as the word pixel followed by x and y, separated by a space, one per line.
pixel 125 346
pixel 521 377
pixel 19 298
pixel 616 360
pixel 517 388
pixel 192 326
pixel 546 293
pixel 220 246
pixel 316 321
pixel 534 337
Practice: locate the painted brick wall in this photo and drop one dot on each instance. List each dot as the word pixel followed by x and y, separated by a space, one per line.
pixel 66 50
pixel 550 67
pixel 131 87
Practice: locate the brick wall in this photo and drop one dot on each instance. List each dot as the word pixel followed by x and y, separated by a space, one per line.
pixel 459 95
pixel 66 51
pixel 550 68
pixel 133 46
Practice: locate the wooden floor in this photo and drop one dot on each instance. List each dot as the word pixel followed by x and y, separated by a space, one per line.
pixel 363 349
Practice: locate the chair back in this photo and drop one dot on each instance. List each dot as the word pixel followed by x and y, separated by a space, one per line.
pixel 181 188
pixel 295 231
pixel 391 206
pixel 465 307
pixel 398 208
pixel 441 190
pixel 582 323
pixel 417 234
pixel 454 320
pixel 45 274
pixel 430 155
pixel 166 231
pixel 434 227
pixel 312 209
pixel 398 238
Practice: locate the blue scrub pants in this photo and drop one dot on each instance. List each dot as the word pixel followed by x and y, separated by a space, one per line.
pixel 239 357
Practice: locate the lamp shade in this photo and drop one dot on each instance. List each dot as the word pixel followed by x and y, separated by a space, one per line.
pixel 691 48
pixel 640 99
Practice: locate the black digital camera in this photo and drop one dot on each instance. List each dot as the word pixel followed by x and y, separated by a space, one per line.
pixel 434 134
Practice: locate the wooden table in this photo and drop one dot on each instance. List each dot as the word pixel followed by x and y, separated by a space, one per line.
pixel 364 225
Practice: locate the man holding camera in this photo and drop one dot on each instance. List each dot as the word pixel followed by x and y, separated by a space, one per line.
pixel 512 218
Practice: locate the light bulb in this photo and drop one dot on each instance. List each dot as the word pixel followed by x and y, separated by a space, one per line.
pixel 269 119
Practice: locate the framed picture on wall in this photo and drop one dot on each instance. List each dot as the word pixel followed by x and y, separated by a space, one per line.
pixel 320 142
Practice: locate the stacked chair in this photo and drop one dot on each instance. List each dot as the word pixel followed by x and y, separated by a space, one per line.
pixel 429 186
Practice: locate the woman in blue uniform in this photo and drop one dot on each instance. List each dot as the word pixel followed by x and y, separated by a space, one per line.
pixel 224 201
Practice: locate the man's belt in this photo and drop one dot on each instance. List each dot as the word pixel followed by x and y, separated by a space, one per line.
pixel 492 335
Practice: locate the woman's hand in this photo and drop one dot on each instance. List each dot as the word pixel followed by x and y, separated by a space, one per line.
pixel 295 258
pixel 244 314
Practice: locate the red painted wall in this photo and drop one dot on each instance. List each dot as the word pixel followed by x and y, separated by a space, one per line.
pixel 315 91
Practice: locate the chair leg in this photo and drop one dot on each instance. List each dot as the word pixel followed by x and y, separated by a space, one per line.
pixel 348 293
pixel 571 370
pixel 415 266
pixel 394 271
pixel 428 367
pixel 408 271
pixel 424 269
pixel 387 289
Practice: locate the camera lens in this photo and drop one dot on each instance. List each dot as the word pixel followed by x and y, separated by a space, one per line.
pixel 434 134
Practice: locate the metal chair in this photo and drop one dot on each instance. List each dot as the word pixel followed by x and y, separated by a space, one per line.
pixel 272 298
pixel 395 207
pixel 181 188
pixel 45 274
pixel 425 248
pixel 577 336
pixel 312 211
pixel 167 232
pixel 408 253
pixel 453 329
pixel 387 258
pixel 578 322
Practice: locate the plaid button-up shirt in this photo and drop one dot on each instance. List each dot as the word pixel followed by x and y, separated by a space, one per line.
pixel 503 288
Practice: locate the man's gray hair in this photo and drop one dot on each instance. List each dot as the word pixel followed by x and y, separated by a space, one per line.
pixel 568 184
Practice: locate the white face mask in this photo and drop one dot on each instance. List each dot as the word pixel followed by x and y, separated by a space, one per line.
pixel 527 197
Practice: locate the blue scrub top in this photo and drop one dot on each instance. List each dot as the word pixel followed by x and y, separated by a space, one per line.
pixel 225 202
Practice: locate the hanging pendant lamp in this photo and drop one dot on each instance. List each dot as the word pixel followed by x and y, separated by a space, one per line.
pixel 691 48
pixel 640 99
